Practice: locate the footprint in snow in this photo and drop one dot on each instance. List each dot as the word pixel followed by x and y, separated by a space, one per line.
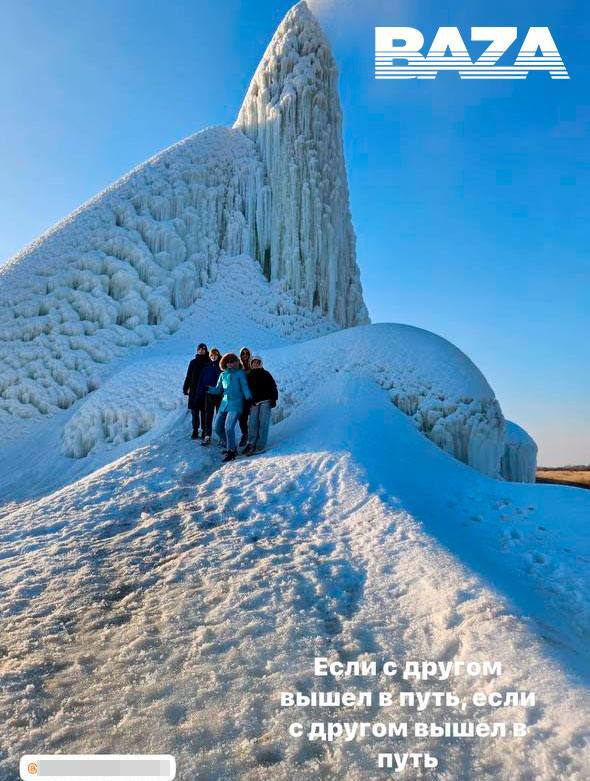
pixel 175 714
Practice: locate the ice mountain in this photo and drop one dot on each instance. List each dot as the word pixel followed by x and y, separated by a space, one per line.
pixel 154 601
pixel 128 269
pixel 124 269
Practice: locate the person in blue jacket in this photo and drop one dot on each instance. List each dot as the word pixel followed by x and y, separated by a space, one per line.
pixel 232 383
pixel 209 376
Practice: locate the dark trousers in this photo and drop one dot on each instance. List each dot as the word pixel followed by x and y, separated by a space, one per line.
pixel 199 418
pixel 244 417
pixel 212 404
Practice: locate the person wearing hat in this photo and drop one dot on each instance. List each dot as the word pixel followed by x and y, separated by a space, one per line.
pixel 191 384
pixel 233 387
pixel 264 397
pixel 209 376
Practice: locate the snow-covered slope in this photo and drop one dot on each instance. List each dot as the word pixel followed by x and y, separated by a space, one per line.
pixel 163 603
pixel 427 378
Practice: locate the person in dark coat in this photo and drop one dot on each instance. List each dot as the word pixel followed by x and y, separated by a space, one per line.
pixel 264 397
pixel 190 386
pixel 209 376
pixel 245 363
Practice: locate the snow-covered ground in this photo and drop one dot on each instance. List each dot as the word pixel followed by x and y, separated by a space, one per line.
pixel 156 601
pixel 163 602
pixel 153 600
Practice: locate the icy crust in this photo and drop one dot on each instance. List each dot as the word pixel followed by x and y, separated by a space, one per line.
pixel 292 112
pixel 519 460
pixel 236 302
pixel 426 377
pixel 125 408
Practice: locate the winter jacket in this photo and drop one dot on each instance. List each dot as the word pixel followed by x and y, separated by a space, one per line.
pixel 208 376
pixel 262 386
pixel 192 379
pixel 234 386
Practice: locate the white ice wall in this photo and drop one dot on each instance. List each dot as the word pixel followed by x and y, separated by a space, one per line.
pixel 519 460
pixel 292 112
pixel 124 269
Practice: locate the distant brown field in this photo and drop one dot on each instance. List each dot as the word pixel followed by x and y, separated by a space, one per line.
pixel 575 477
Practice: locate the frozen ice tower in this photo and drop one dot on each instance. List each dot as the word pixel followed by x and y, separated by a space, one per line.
pixel 292 112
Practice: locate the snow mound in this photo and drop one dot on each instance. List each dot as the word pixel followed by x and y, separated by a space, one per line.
pixel 425 376
pixel 519 460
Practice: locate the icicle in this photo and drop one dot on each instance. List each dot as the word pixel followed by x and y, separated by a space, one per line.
pixel 292 113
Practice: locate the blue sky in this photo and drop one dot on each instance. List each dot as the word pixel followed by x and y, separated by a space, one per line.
pixel 470 199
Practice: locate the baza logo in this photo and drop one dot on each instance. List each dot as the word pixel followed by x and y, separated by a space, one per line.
pixel 398 54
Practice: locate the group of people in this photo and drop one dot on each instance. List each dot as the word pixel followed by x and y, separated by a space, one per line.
pixel 234 390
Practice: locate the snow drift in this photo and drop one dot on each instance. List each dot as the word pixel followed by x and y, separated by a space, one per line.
pixel 449 401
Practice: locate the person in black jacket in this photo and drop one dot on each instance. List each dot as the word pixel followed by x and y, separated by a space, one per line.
pixel 190 386
pixel 245 356
pixel 264 398
pixel 209 376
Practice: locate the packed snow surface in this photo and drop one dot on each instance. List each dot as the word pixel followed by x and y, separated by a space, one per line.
pixel 162 603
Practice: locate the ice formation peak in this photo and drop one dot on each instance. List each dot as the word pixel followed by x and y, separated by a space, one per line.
pixel 292 113
pixel 147 261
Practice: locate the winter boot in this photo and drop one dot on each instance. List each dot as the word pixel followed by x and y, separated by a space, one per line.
pixel 195 435
pixel 248 450
pixel 206 441
pixel 243 440
pixel 229 456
